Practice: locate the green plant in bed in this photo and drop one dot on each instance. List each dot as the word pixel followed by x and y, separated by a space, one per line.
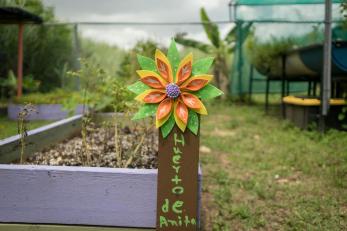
pixel 55 97
pixel 99 90
pixel 266 55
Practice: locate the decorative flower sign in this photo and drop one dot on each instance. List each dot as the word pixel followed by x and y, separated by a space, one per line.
pixel 172 89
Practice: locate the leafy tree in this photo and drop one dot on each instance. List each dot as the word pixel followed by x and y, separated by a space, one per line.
pixel 100 91
pixel 46 48
pixel 107 56
pixel 129 65
pixel 220 48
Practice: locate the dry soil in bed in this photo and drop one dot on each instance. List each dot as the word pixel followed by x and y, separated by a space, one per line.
pixel 105 146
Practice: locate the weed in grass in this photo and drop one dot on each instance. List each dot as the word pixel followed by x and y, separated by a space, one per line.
pixel 241 211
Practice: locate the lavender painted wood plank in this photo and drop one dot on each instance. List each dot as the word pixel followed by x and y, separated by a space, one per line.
pixel 31 227
pixel 39 138
pixel 43 111
pixel 78 195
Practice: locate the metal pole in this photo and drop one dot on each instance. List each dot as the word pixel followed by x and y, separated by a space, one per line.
pixel 230 5
pixel 77 48
pixel 240 56
pixel 232 11
pixel 20 61
pixel 233 18
pixel 77 55
pixel 326 81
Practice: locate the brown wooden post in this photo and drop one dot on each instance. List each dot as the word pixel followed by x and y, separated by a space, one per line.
pixel 177 200
pixel 179 110
pixel 20 60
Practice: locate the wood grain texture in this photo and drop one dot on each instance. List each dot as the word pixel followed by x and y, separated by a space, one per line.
pixel 178 169
pixel 31 227
pixel 78 195
pixel 39 138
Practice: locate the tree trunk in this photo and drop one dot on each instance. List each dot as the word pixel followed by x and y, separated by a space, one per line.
pixel 221 75
pixel 216 75
pixel 224 84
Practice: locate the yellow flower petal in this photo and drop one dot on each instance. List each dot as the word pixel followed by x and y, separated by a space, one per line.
pixel 151 96
pixel 163 66
pixel 202 110
pixel 159 123
pixel 152 79
pixel 197 82
pixel 180 123
pixel 184 69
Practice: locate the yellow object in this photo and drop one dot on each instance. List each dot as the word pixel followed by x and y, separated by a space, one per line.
pixel 310 102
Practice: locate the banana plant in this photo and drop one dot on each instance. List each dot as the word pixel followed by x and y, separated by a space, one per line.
pixel 220 48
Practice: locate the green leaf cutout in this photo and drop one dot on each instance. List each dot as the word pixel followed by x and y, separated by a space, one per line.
pixel 138 87
pixel 167 126
pixel 193 122
pixel 145 111
pixel 174 57
pixel 202 66
pixel 208 92
pixel 146 63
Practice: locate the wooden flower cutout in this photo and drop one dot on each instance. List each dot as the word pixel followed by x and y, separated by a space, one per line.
pixel 173 89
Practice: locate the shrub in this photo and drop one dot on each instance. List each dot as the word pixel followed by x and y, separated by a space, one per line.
pixel 46 48
pixel 101 91
pixel 58 96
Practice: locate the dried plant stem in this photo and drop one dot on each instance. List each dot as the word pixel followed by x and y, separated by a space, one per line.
pixel 85 147
pixel 135 151
pixel 22 140
pixel 106 134
pixel 139 144
pixel 117 145
pixel 22 126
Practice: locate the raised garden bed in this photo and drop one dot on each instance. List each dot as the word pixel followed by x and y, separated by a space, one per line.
pixel 42 111
pixel 73 195
pixel 39 138
pixel 305 111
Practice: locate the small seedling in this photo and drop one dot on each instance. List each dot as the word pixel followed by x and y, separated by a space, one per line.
pixel 85 153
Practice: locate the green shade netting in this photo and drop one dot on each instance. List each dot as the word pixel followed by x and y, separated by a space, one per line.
pixel 281 2
pixel 241 82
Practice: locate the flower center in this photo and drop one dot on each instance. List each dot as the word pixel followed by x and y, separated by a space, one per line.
pixel 172 90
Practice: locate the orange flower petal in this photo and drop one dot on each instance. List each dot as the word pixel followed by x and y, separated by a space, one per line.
pixel 159 123
pixel 152 96
pixel 184 69
pixel 152 79
pixel 191 100
pixel 164 108
pixel 197 82
pixel 163 66
pixel 180 110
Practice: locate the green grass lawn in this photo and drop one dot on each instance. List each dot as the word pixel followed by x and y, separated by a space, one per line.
pixel 262 173
pixel 9 127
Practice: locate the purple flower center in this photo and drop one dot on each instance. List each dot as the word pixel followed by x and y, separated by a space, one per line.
pixel 172 90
